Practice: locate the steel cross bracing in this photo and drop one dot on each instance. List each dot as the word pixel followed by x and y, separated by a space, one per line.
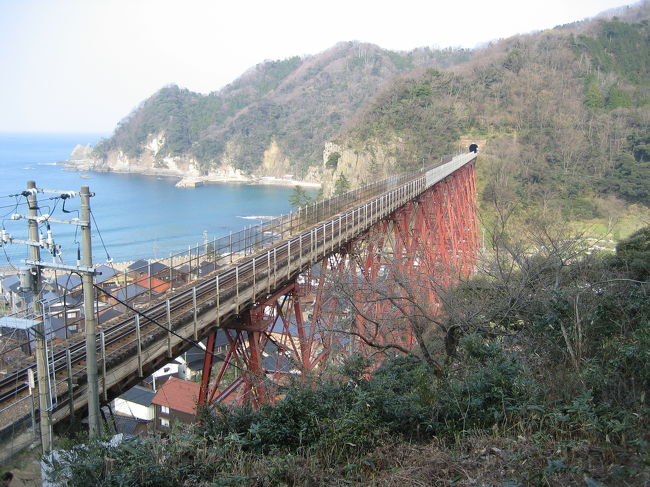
pixel 418 249
pixel 384 286
pixel 261 289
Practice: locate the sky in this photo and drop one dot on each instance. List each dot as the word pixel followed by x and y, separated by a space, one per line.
pixel 83 65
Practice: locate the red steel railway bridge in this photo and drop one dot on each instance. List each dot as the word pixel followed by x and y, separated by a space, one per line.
pixel 275 285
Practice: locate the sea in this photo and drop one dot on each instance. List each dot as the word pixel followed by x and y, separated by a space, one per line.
pixel 135 216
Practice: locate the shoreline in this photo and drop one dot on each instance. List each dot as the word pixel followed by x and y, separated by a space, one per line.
pixel 197 181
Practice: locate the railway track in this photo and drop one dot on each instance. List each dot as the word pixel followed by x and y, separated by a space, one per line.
pixel 230 290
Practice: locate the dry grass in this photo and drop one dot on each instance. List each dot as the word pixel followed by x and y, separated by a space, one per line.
pixel 496 461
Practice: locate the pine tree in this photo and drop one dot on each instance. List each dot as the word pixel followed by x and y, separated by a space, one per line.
pixel 299 198
pixel 342 185
pixel 593 96
pixel 617 98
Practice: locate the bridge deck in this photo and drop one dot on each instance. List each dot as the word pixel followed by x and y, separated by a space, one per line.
pixel 135 346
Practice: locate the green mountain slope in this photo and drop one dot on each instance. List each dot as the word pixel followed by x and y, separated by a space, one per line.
pixel 298 103
pixel 562 117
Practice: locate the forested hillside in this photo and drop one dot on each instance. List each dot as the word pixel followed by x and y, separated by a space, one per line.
pixel 298 103
pixel 534 371
pixel 545 384
pixel 562 116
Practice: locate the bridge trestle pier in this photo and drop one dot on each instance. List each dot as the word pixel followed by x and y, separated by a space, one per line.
pixel 378 293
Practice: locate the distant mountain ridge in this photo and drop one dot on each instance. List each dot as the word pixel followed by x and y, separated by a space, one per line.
pixel 562 117
pixel 271 121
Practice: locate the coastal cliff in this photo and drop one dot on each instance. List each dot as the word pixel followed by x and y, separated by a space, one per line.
pixel 358 164
pixel 151 162
pixel 268 126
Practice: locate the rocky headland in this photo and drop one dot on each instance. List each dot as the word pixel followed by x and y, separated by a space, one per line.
pixel 273 171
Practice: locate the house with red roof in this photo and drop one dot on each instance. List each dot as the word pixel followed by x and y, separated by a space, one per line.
pixel 156 285
pixel 176 401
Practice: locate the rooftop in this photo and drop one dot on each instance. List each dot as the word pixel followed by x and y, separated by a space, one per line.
pixel 11 283
pixel 129 292
pixel 139 265
pixel 68 281
pixel 156 284
pixel 179 395
pixel 157 268
pixel 104 273
pixel 139 395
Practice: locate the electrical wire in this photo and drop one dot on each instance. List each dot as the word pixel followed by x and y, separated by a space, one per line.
pixel 8 259
pixel 187 340
pixel 108 257
pixel 25 202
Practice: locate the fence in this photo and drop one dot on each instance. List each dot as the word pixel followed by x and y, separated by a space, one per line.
pixel 144 284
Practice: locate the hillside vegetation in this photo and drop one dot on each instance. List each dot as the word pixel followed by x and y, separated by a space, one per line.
pixel 563 116
pixel 298 103
pixel 546 385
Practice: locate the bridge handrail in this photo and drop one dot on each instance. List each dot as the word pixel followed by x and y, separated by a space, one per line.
pixel 424 179
pixel 227 248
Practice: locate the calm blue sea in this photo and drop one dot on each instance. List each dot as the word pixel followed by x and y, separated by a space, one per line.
pixel 137 216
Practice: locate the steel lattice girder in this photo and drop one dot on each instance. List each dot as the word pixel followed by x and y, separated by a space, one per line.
pixel 400 264
pixel 270 342
pixel 427 245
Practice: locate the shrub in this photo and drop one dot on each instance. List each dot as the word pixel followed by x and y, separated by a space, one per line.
pixel 487 388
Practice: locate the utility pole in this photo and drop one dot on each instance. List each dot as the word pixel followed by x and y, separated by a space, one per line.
pixel 94 421
pixel 42 371
pixel 33 281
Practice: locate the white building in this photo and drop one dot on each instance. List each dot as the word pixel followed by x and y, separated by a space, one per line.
pixel 136 403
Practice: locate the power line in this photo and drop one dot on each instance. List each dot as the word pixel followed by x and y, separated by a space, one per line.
pixel 187 340
pixel 108 257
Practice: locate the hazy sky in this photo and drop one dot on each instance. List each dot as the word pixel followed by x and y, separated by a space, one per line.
pixel 82 65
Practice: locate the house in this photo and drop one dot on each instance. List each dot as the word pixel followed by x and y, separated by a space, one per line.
pixel 106 276
pixel 132 292
pixel 163 374
pixel 136 403
pixel 156 285
pixel 176 401
pixel 277 360
pixel 138 267
pixel 160 270
pixel 68 283
pixel 107 315
pixel 9 286
pixel 194 361
pixel 127 425
pixel 289 339
pixel 12 294
pixel 109 280
pixel 55 303
pixel 130 426
pixel 194 356
pixel 182 275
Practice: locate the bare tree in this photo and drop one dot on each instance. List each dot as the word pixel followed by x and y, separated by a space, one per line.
pixel 387 306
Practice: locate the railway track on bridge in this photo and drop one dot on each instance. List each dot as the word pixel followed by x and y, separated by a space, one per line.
pixel 192 306
pixel 14 386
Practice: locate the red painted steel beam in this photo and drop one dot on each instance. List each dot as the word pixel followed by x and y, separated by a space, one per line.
pixel 207 368
pixel 429 243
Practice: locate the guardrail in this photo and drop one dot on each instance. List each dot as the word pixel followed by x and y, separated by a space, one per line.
pixel 252 273
pixel 145 284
